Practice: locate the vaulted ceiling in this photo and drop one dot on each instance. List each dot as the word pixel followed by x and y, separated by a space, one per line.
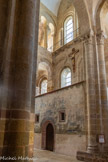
pixel 52 5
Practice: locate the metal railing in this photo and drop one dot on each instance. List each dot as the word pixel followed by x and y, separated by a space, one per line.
pixel 68 38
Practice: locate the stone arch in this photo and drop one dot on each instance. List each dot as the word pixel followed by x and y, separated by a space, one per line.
pixel 43 59
pixel 44 125
pixel 47 64
pixel 41 79
pixel 48 34
pixel 83 15
pixel 44 71
pixel 48 17
pixel 67 15
pixel 99 6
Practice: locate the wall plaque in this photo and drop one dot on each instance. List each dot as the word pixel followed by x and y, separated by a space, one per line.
pixel 101 138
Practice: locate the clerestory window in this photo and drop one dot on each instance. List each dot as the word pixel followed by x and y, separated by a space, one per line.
pixel 68 30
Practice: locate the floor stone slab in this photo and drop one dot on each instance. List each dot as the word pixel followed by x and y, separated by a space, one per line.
pixel 47 156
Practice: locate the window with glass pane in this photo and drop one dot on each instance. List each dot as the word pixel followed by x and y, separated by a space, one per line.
pixel 68 30
pixel 44 86
pixel 65 77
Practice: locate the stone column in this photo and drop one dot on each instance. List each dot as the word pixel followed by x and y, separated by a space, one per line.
pixel 18 121
pixel 4 15
pixel 103 116
pixel 35 56
pixel 4 18
pixel 91 95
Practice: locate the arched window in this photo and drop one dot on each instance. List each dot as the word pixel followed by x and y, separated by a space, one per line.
pixel 66 77
pixel 68 29
pixel 50 37
pixel 44 86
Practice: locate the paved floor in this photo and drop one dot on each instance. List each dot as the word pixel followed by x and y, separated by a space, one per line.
pixel 47 156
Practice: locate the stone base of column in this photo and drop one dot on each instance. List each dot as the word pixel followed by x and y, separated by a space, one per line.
pixel 92 149
pixel 105 149
pixel 16 134
pixel 89 154
pixel 84 156
pixel 92 157
pixel 16 153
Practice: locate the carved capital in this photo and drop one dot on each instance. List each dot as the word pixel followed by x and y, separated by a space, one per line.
pixel 88 40
pixel 88 37
pixel 100 37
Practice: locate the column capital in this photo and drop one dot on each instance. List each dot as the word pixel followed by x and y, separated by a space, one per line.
pixel 100 37
pixel 88 37
pixel 88 40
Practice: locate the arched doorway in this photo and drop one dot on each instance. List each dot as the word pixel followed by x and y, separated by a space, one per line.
pixel 49 137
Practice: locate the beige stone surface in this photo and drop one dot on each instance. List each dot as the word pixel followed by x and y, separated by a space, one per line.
pixel 64 144
pixel 37 141
pixel 69 144
pixel 47 156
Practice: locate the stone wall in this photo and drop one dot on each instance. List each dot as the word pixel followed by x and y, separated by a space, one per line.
pixel 71 100
pixel 62 58
pixel 69 144
pixel 66 144
pixel 55 62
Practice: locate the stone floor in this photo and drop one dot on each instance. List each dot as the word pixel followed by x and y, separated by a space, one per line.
pixel 47 156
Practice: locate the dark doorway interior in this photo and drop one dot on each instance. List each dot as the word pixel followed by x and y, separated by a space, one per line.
pixel 50 137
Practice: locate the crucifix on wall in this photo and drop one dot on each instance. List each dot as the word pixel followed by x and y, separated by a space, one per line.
pixel 72 56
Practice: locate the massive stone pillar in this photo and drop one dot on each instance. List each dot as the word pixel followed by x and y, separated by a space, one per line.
pixel 97 105
pixel 91 94
pixel 4 15
pixel 4 26
pixel 17 120
pixel 103 111
pixel 92 99
pixel 96 94
pixel 97 100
